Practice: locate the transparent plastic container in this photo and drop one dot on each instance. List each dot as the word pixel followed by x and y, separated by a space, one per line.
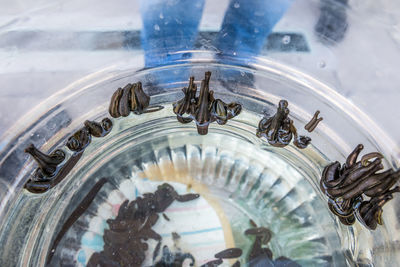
pixel 63 61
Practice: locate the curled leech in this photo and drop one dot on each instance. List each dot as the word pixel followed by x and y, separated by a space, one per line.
pixel 365 159
pixel 313 123
pixel 48 164
pixel 203 109
pixel 346 187
pixel 79 140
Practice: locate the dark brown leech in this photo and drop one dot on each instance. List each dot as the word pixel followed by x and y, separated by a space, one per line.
pixel 370 212
pixel 313 123
pixel 124 107
pixel 114 103
pixel 212 263
pixel 346 185
pixel 229 253
pixel 187 197
pixel 48 164
pixel 203 109
pixel 263 232
pixel 253 224
pixel 142 99
pixel 352 158
pixel 99 130
pixel 156 251
pixel 79 140
pixel 82 207
pixel 389 178
pixel 186 104
pixel 165 217
pixel 202 114
pixel 279 129
pixel 258 250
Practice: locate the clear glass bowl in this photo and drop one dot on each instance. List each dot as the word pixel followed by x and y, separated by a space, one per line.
pixel 240 176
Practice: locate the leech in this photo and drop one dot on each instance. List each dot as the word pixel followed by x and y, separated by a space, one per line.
pixel 156 250
pixel 114 103
pixel 260 231
pixel 37 187
pixel 142 99
pixel 124 107
pixel 79 210
pixel 166 217
pixel 48 164
pixel 154 108
pixel 352 158
pixel 99 130
pixel 94 128
pixel 365 159
pixel 348 220
pixel 252 223
pixel 229 253
pixel 212 263
pixel 79 140
pixel 388 178
pixel 187 197
pixel 363 171
pixel 330 176
pixel 312 124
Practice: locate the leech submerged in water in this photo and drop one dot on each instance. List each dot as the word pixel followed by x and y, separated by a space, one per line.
pixel 75 215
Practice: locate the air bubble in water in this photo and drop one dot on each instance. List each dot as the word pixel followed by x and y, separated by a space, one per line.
pixel 236 5
pixel 156 27
pixel 286 39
